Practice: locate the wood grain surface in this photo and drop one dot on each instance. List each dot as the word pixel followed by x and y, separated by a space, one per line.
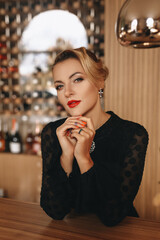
pixel 27 221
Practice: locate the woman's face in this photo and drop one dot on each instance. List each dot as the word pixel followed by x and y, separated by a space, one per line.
pixel 76 93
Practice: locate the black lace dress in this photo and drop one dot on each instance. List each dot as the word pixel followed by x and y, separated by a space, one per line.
pixel 109 187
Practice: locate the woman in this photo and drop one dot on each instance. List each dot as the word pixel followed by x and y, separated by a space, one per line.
pixel 93 160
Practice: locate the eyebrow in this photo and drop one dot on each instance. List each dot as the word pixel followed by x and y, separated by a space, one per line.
pixel 58 81
pixel 72 75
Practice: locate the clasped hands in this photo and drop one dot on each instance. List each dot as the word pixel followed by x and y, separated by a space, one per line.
pixel 75 136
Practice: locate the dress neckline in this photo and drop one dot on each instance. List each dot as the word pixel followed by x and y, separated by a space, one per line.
pixel 107 124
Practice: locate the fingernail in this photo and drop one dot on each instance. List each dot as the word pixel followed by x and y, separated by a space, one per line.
pixel 84 122
pixel 82 125
pixel 67 133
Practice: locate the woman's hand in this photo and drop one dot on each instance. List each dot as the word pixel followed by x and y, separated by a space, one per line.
pixel 83 143
pixel 67 142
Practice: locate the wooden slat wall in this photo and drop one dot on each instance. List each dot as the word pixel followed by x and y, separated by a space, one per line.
pixel 133 92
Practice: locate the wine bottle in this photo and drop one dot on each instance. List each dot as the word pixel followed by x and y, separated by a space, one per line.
pixel 3 38
pixel 6 136
pixel 2 139
pixel 15 144
pixel 29 142
pixel 25 9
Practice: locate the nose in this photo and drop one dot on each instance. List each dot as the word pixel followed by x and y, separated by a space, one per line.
pixel 68 90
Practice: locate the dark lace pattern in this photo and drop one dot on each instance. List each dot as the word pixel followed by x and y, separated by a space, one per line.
pixel 110 186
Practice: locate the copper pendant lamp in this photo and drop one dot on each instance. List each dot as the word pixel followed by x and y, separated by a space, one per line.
pixel 138 24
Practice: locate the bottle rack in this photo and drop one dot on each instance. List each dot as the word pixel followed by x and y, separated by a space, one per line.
pixel 33 98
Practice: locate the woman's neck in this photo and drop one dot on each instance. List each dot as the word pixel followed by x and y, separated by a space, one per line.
pixel 102 118
pixel 99 118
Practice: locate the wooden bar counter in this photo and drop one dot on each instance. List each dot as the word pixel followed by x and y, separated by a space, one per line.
pixel 27 221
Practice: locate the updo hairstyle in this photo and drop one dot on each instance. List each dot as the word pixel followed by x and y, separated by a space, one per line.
pixel 92 66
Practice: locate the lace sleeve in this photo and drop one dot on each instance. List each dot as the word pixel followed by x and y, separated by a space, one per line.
pixel 55 188
pixel 111 185
pixel 131 171
pixel 133 165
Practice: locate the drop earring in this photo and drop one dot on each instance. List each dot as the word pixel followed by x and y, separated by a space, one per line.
pixel 100 92
pixel 101 98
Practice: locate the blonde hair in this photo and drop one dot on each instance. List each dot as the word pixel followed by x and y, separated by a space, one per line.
pixel 92 66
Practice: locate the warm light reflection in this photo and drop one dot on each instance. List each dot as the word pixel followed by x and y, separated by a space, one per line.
pixel 134 25
pixel 146 44
pixel 149 22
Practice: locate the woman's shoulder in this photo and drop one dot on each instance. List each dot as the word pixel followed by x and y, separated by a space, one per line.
pixel 128 127
pixel 131 128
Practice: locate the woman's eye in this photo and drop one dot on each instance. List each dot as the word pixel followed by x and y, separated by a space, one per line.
pixel 59 87
pixel 78 79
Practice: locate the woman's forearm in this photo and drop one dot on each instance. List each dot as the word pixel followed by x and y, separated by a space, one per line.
pixel 66 163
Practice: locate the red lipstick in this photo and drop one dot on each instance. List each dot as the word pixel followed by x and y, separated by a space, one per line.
pixel 73 103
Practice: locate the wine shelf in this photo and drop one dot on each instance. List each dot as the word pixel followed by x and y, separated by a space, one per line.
pixel 32 96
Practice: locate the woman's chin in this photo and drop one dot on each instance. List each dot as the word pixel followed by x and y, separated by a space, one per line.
pixel 75 113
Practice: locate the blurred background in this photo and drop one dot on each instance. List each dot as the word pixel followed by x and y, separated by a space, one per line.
pixel 32 32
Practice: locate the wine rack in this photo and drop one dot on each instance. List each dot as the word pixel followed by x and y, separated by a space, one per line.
pixel 32 96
